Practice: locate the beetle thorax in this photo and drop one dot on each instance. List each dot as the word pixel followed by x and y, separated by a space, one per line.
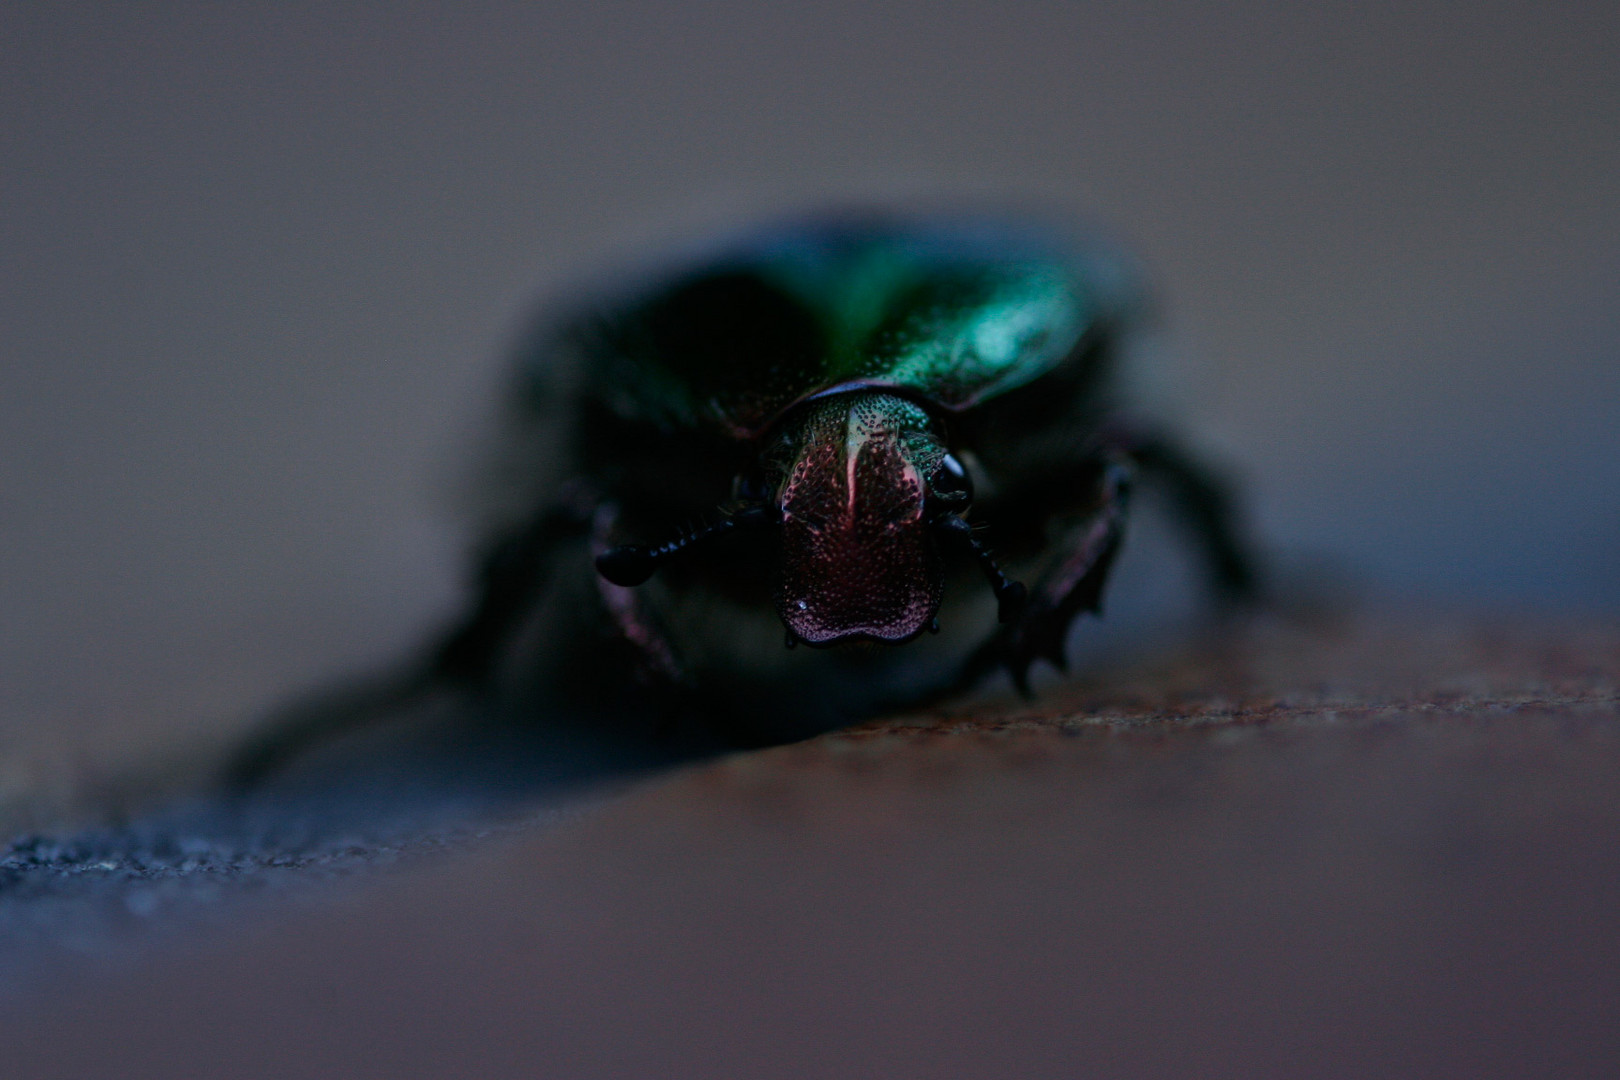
pixel 857 557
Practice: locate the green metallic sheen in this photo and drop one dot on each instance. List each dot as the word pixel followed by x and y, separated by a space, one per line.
pixel 951 313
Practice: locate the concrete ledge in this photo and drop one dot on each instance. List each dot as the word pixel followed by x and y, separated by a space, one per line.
pixel 1389 850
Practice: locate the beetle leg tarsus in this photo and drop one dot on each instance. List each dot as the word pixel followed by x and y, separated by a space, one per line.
pixel 1073 587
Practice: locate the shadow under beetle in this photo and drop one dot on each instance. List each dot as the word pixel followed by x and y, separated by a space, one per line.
pixel 870 408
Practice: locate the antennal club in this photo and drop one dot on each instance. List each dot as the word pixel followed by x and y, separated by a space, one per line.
pixel 632 564
pixel 1010 595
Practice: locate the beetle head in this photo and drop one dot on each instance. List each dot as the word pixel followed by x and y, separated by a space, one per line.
pixel 863 490
pixel 858 556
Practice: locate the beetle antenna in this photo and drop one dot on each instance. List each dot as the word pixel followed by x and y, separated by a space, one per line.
pixel 1010 595
pixel 631 564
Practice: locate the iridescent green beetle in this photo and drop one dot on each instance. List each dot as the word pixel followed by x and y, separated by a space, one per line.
pixel 869 407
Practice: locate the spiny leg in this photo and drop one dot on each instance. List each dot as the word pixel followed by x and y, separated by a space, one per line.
pixel 1204 509
pixel 1075 585
pixel 510 577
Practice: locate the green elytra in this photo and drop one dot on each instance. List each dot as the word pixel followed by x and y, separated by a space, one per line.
pixel 952 314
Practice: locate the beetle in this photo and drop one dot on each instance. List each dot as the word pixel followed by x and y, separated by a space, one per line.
pixel 872 408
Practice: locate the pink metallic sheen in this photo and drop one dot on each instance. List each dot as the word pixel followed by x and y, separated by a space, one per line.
pixel 858 557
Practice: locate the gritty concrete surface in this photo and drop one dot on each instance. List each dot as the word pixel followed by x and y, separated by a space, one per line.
pixel 1382 849
pixel 153 857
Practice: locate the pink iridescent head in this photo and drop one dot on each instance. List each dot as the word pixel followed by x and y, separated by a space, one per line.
pixel 863 490
pixel 858 557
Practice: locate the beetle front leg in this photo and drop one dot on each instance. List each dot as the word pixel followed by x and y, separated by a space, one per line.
pixel 1075 584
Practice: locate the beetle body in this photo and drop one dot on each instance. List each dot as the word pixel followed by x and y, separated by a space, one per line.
pixel 838 426
pixel 831 373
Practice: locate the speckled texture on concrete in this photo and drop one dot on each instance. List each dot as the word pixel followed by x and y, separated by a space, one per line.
pixel 1383 850
pixel 141 870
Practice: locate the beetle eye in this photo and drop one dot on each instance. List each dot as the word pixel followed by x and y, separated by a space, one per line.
pixel 950 483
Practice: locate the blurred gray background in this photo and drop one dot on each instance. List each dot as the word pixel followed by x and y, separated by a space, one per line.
pixel 260 264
